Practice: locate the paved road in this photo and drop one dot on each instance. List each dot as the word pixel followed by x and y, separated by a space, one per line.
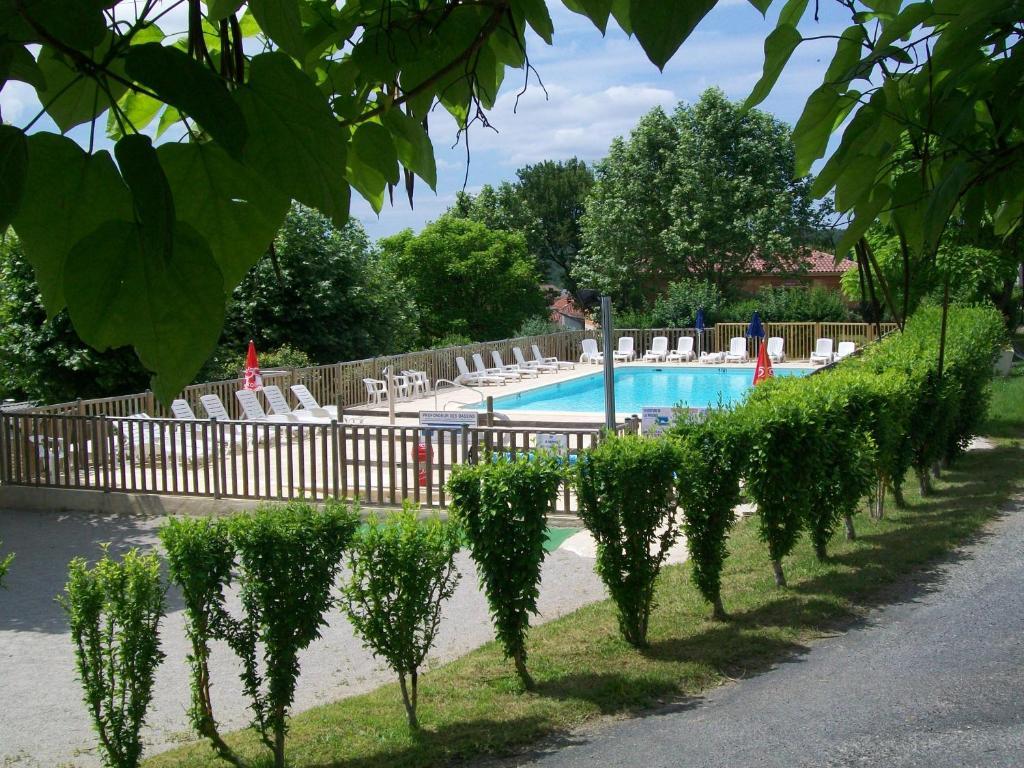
pixel 936 680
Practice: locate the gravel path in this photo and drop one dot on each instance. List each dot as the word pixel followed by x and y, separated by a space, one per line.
pixel 933 680
pixel 43 721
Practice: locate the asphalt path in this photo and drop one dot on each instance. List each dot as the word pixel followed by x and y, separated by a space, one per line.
pixel 935 679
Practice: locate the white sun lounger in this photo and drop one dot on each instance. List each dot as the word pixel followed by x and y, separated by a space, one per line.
pixel 683 350
pixel 775 349
pixel 845 349
pixel 590 353
pixel 712 358
pixel 279 406
pixel 658 351
pixel 513 368
pixel 539 358
pixel 532 365
pixel 478 362
pixel 253 411
pixel 822 354
pixel 737 350
pixel 310 404
pixel 624 352
pixel 471 378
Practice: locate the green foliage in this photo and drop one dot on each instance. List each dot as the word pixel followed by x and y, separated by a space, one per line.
pixel 496 278
pixel 114 610
pixel 792 305
pixel 708 488
pixel 502 507
pixel 627 500
pixel 402 572
pixel 43 359
pixel 677 307
pixel 228 363
pixel 5 566
pixel 696 195
pixel 451 340
pixel 545 205
pixel 279 99
pixel 633 318
pixel 285 559
pixel 538 326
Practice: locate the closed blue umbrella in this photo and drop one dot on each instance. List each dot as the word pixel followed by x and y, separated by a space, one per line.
pixel 755 329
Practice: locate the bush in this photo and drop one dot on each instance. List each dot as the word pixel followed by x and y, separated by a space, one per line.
pixel 777 304
pixel 677 308
pixel 627 500
pixel 451 340
pixel 633 319
pixel 114 610
pixel 540 325
pixel 287 558
pixel 229 364
pixel 708 489
pixel 5 565
pixel 402 571
pixel 503 508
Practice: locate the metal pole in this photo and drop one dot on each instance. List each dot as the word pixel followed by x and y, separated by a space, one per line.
pixel 609 369
pixel 391 398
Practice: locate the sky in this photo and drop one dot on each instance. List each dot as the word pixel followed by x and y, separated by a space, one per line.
pixel 594 89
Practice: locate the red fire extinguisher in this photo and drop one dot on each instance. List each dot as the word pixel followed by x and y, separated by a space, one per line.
pixel 421 455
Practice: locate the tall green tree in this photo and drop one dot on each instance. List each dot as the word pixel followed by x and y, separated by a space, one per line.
pixel 465 278
pixel 624 253
pixel 698 194
pixel 279 99
pixel 545 204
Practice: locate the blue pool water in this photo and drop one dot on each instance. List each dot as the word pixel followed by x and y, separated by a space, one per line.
pixel 639 387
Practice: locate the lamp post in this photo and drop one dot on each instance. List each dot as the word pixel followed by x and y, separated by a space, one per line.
pixel 609 367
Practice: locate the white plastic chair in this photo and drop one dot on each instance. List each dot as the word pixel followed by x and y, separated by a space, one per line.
pixel 775 349
pixel 533 365
pixel 658 351
pixel 625 351
pixel 737 350
pixel 376 391
pixel 845 349
pixel 513 368
pixel 683 350
pixel 822 354
pixel 540 359
pixel 419 384
pixel 590 353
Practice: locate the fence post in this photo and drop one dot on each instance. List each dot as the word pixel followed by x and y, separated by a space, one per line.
pixel 216 457
pixel 106 451
pixel 334 456
pixel 150 403
pixel 3 448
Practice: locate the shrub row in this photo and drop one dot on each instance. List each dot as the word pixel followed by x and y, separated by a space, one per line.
pixel 808 450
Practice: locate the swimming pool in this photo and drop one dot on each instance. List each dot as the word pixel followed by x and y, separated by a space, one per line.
pixel 638 387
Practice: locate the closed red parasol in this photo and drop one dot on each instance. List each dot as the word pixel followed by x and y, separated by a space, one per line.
pixel 253 380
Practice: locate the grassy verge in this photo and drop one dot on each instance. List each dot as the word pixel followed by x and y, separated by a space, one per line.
pixel 474 706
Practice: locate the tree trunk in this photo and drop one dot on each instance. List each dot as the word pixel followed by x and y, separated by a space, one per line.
pixel 718 610
pixel 937 469
pixel 780 577
pixel 851 534
pixel 409 699
pixel 519 657
pixel 279 716
pixel 924 482
pixel 897 495
pixel 879 511
pixel 821 551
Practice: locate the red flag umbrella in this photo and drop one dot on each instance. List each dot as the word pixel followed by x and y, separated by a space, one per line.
pixel 764 365
pixel 253 380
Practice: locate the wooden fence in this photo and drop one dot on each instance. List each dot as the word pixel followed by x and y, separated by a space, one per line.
pixel 378 464
pixel 341 384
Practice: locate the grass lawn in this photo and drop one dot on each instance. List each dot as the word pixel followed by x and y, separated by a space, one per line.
pixel 474 706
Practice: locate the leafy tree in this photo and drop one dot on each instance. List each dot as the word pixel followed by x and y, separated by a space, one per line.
pixel 402 572
pixel 465 278
pixel 545 205
pixel 315 292
pixel 42 358
pixel 734 196
pixel 287 100
pixel 624 253
pixel 677 307
pixel 698 194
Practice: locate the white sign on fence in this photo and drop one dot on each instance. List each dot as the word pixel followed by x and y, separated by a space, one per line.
pixel 655 420
pixel 552 442
pixel 439 419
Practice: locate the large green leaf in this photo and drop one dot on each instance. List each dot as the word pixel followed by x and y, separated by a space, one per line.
pixel 282 23
pixel 233 208
pixel 170 307
pixel 537 16
pixel 79 24
pixel 151 194
pixel 825 109
pixel 139 110
pixel 372 162
pixel 415 150
pixel 16 63
pixel 70 97
pixel 299 146
pixel 778 47
pixel 68 194
pixel 13 167
pixel 943 202
pixel 598 11
pixel 221 9
pixel 191 88
pixel 661 27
